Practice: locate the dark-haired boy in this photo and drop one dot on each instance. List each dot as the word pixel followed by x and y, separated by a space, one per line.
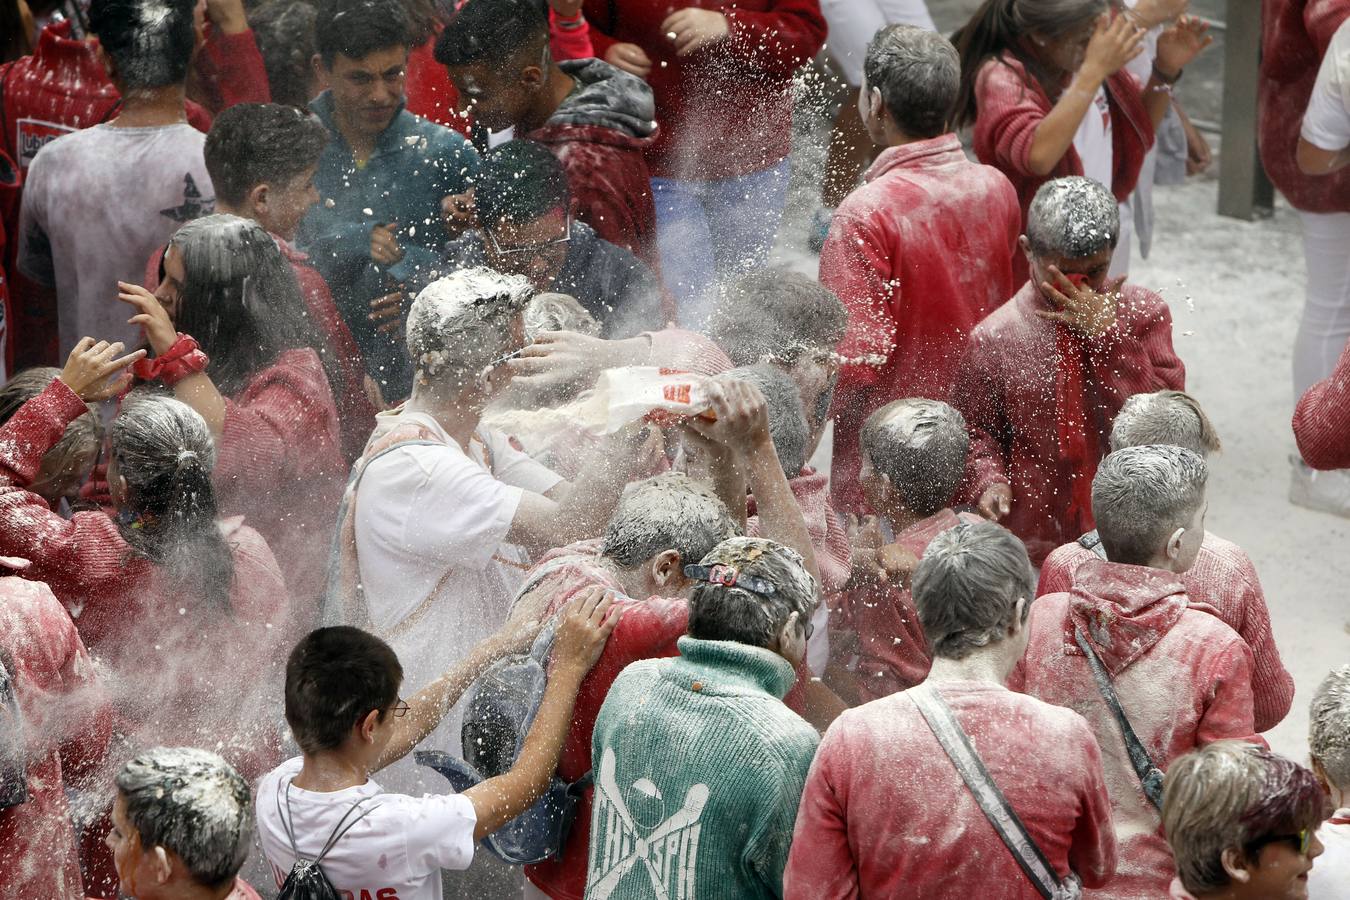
pixel 343 708
pixel 262 158
pixel 382 178
pixel 921 251
pixel 598 120
pixel 913 459
pixel 98 203
pixel 527 228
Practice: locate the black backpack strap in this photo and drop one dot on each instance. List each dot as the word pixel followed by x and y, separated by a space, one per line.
pixel 344 825
pixel 1093 541
pixel 1150 776
pixel 995 806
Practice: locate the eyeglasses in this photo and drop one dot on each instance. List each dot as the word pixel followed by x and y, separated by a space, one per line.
pixel 400 709
pixel 532 248
pixel 1301 841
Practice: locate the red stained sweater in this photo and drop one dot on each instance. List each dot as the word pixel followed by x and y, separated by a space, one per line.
pixel 164 649
pixel 280 465
pixel 1223 581
pixel 1295 35
pixel 66 726
pixel 725 110
pixel 885 813
pixel 1010 106
pixel 1322 419
pixel 829 541
pixel 1007 392
pixel 919 254
pixel 1183 677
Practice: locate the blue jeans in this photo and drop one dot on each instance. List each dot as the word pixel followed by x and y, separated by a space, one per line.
pixel 708 231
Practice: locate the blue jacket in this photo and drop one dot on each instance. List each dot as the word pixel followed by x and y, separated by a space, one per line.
pixel 415 164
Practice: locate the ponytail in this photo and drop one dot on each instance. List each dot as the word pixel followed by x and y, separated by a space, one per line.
pixel 991 31
pixel 164 452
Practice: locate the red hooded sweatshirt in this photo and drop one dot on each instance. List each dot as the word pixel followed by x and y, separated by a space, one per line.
pixel 1010 105
pixel 1183 677
pixel 1025 399
pixel 1295 35
pixel 919 254
pixel 1223 581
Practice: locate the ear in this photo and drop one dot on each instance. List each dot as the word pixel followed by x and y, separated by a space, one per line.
pixel 365 729
pixel 105 61
pixel 161 868
pixel 321 72
pixel 533 76
pixel 1017 624
pixel 257 197
pixel 1025 244
pixel 788 633
pixel 1235 864
pixel 1320 772
pixel 1173 549
pixel 666 570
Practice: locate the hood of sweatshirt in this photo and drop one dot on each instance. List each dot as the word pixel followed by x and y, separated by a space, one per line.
pixel 605 98
pixel 1124 610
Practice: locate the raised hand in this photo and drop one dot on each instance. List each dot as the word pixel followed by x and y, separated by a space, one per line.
pixel 996 502
pixel 692 29
pixel 1090 313
pixel 630 58
pixel 1113 44
pixel 1180 44
pixel 150 315
pixel 92 363
pixel 584 627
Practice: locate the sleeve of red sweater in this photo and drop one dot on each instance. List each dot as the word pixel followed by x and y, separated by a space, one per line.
pixel 1137 356
pixel 73 556
pixel 1272 685
pixel 820 865
pixel 1321 18
pixel 566 42
pixel 1092 853
pixel 1229 708
pixel 780 41
pixel 1008 112
pixel 856 264
pixel 233 66
pixel 978 396
pixel 1322 419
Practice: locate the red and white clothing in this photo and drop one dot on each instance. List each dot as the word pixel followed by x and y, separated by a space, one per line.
pixel 919 254
pixel 1222 581
pixel 1039 399
pixel 893 652
pixel 1183 677
pixel 1330 875
pixel 279 464
pixel 396 852
pixel 66 727
pixel 886 814
pixel 215 666
pixel 1322 419
pixel 1010 106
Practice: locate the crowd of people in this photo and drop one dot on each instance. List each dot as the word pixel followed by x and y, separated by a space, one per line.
pixel 401 390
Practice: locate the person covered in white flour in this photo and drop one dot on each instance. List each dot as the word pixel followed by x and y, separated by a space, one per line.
pixel 443 512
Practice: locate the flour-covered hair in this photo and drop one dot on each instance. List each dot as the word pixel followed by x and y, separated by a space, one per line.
pixel 967 586
pixel 718 612
pixel 193 803
pixel 669 511
pixel 787 418
pixel 1233 795
pixel 460 324
pixel 921 446
pixel 1329 727
pixel 1164 417
pixel 1073 218
pixel 1142 494
pixel 776 315
pixel 918 75
pixel 558 312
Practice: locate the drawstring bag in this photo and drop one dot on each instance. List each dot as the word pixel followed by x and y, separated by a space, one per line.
pixel 306 880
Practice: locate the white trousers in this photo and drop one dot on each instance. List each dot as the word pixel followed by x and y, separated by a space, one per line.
pixel 853 23
pixel 1325 326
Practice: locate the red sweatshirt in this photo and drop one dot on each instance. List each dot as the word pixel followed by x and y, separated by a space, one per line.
pixel 1010 105
pixel 1295 35
pixel 164 650
pixel 1183 677
pixel 66 726
pixel 1223 581
pixel 885 814
pixel 1322 419
pixel 280 465
pixel 892 648
pixel 726 110
pixel 230 70
pixel 1008 393
pixel 919 254
pixel 829 541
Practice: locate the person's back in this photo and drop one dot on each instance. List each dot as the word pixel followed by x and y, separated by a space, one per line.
pixel 1183 677
pixel 82 227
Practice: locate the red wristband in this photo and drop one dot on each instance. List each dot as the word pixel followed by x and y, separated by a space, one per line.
pixel 184 358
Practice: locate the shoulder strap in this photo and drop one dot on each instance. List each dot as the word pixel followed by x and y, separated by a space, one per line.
pixel 1093 541
pixel 956 743
pixel 1150 776
pixel 344 825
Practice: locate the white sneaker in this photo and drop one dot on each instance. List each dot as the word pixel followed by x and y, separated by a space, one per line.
pixel 1327 492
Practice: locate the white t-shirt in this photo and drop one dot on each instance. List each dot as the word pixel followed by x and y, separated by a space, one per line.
pixel 97 204
pixel 1330 875
pixel 433 520
pixel 397 850
pixel 1093 141
pixel 1326 124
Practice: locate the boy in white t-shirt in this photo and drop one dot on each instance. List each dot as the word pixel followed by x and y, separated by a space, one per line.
pixel 343 708
pixel 1329 745
pixel 1324 141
